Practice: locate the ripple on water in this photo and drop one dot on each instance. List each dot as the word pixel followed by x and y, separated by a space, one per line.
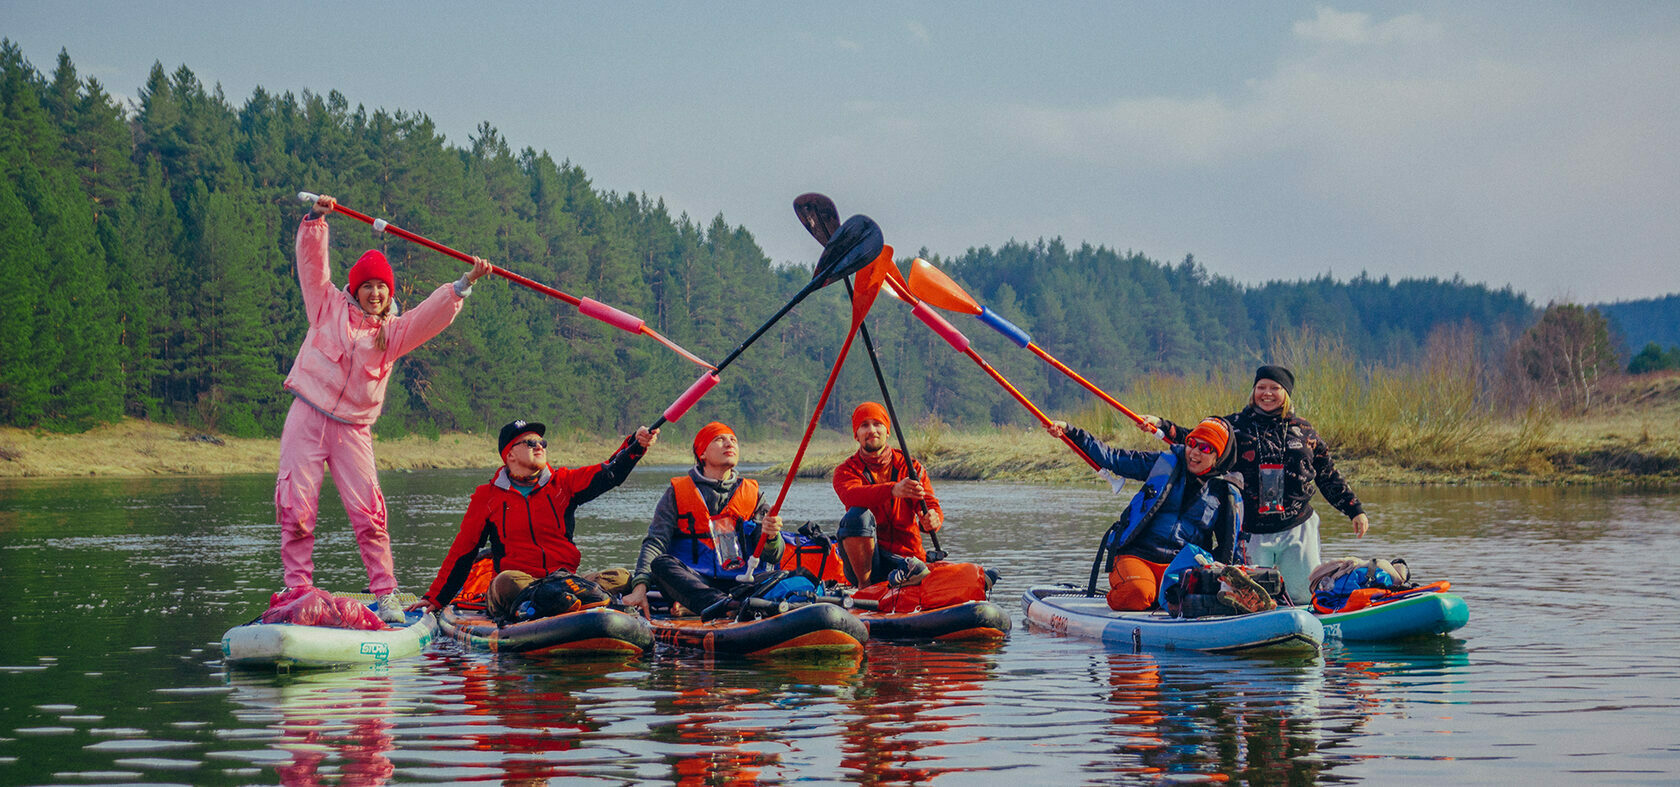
pixel 138 745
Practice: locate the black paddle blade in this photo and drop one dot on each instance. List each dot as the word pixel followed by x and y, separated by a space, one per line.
pixel 857 244
pixel 819 215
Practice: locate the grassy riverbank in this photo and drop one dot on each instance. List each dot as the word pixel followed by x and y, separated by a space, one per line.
pixel 1633 440
pixel 1431 422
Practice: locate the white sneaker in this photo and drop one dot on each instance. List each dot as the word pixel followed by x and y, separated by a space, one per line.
pixel 390 609
pixel 913 572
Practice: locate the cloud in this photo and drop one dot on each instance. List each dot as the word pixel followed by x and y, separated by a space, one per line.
pixel 918 31
pixel 1352 27
pixel 1393 140
pixel 847 44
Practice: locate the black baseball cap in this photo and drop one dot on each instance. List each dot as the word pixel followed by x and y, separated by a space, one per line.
pixel 516 429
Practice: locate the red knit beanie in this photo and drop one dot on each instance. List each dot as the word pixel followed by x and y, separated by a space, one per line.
pixel 869 411
pixel 707 434
pixel 372 265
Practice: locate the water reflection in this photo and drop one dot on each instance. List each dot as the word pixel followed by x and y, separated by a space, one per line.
pixel 328 726
pixel 731 721
pixel 1211 718
pixel 916 713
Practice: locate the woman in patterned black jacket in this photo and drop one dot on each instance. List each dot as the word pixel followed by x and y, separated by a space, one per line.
pixel 1282 459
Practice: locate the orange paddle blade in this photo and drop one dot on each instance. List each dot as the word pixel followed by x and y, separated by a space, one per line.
pixel 932 285
pixel 869 282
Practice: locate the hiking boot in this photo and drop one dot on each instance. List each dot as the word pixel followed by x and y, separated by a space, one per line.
pixel 1242 593
pixel 390 609
pixel 913 572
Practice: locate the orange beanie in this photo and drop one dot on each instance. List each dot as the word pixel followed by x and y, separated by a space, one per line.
pixel 707 434
pixel 1215 432
pixel 869 411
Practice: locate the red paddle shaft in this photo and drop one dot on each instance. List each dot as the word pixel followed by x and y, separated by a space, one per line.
pixel 589 307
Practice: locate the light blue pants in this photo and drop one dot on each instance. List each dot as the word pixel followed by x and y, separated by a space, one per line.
pixel 1294 553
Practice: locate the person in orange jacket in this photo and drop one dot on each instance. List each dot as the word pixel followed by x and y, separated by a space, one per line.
pixel 889 505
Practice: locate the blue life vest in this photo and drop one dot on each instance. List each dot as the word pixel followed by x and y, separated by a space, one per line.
pixel 1160 521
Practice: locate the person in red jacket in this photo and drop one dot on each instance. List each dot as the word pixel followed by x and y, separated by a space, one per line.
pixel 888 507
pixel 526 513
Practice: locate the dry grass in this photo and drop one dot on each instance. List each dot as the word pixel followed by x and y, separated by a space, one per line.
pixel 1395 426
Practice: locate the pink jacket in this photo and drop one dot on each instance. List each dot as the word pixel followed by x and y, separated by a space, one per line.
pixel 338 370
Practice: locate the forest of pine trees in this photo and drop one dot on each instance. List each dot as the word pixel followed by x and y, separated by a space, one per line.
pixel 146 269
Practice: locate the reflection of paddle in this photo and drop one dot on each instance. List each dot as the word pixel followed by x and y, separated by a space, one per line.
pixel 586 306
pixel 855 245
pixel 933 286
pixel 819 215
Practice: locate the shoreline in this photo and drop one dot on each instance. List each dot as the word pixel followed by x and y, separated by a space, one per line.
pixel 1617 450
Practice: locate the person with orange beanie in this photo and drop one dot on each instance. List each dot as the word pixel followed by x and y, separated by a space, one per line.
pixel 889 505
pixel 338 387
pixel 704 528
pixel 1188 499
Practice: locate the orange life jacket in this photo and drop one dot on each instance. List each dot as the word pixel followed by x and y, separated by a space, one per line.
pixel 692 543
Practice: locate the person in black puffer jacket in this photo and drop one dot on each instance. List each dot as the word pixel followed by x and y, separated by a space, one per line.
pixel 1282 459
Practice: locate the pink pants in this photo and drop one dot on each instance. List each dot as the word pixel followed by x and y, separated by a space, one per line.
pixel 309 441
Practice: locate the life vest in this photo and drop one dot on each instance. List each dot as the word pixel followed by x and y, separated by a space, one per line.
pixel 693 542
pixel 1219 498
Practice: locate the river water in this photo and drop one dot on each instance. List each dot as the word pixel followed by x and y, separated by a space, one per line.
pixel 120 590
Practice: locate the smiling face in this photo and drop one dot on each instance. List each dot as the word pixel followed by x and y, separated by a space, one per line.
pixel 721 453
pixel 1268 395
pixel 1199 456
pixel 872 435
pixel 374 296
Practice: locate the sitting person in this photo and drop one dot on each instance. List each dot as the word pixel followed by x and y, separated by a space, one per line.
pixel 526 513
pixel 703 530
pixel 1187 499
pixel 888 507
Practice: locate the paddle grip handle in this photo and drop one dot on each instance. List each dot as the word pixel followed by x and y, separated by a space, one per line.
pixel 607 314
pixel 1005 327
pixel 678 408
pixel 941 326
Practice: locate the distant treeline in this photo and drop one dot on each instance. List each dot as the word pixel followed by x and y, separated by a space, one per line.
pixel 146 269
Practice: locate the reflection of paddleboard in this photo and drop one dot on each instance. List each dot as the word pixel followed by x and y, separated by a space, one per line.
pixel 1418 615
pixel 805 630
pixel 978 620
pixel 584 633
pixel 1068 610
pixel 258 644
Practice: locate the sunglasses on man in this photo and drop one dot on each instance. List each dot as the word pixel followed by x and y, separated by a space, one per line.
pixel 1199 446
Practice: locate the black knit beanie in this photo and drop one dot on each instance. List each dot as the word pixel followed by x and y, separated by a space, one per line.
pixel 1276 374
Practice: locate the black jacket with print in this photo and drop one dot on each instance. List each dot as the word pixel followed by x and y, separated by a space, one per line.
pixel 1265 439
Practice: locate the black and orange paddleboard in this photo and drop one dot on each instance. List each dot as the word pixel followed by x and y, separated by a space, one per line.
pixel 809 630
pixel 589 632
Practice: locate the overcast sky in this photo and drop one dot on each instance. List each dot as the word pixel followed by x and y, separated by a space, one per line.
pixel 1511 143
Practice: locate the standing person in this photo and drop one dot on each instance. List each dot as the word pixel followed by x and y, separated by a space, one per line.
pixel 338 384
pixel 526 512
pixel 703 529
pixel 888 506
pixel 1186 499
pixel 1281 458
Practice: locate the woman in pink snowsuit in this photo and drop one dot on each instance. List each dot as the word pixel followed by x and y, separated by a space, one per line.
pixel 338 381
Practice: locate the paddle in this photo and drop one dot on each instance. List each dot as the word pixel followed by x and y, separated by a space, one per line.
pixel 813 210
pixel 933 286
pixel 820 217
pixel 854 245
pixel 586 306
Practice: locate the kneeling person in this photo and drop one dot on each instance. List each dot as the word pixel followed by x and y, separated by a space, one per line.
pixel 888 507
pixel 527 514
pixel 1188 498
pixel 704 528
